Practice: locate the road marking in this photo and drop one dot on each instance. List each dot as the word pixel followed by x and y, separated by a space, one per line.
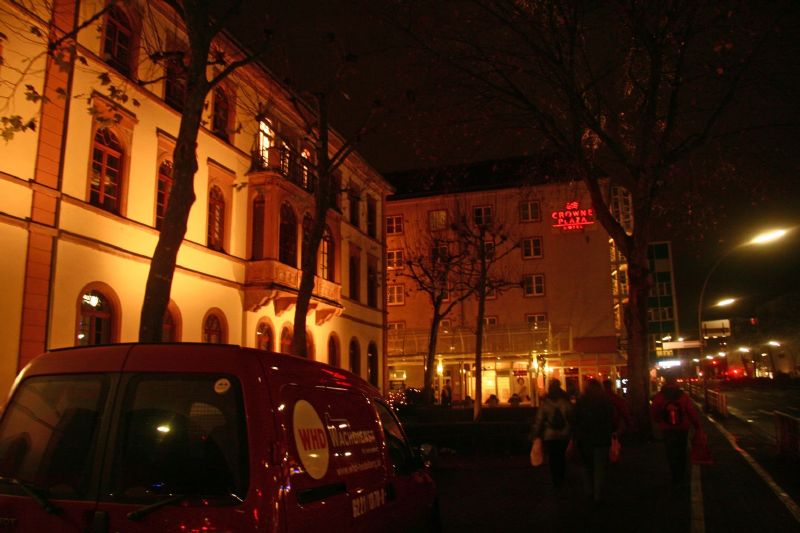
pixel 787 500
pixel 698 521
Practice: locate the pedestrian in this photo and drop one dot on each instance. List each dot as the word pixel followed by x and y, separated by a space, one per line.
pixel 553 424
pixel 623 421
pixel 594 426
pixel 673 412
pixel 447 395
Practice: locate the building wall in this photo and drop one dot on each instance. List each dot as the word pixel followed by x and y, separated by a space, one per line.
pixel 77 246
pixel 577 300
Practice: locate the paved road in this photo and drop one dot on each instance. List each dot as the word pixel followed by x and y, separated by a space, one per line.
pixel 504 493
pixel 756 405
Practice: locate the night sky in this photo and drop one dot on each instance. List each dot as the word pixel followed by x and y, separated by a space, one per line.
pixel 340 47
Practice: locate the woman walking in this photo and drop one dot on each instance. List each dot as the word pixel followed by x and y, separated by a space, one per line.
pixel 594 425
pixel 553 424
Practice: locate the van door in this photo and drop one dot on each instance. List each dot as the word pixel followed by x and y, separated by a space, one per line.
pixel 337 474
pixel 48 442
pixel 411 493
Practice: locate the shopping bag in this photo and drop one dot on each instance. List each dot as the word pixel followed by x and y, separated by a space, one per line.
pixel 615 449
pixel 537 455
pixel 700 454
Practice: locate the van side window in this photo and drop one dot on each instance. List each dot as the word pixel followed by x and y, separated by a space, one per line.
pixel 49 434
pixel 400 453
pixel 190 440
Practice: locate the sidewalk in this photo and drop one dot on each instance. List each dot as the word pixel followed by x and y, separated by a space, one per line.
pixel 503 492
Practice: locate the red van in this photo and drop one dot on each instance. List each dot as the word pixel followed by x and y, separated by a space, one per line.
pixel 203 438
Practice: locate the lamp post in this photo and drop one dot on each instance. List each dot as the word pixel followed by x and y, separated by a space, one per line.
pixel 767 237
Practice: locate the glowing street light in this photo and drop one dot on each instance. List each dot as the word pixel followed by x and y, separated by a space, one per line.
pixel 774 343
pixel 768 236
pixel 725 302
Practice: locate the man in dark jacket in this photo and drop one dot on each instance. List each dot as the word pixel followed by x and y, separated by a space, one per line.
pixel 673 412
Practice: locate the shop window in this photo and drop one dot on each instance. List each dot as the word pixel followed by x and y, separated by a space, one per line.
pixel 96 323
pixel 106 178
pixel 118 40
pixel 394 224
pixel 216 219
pixel 162 194
pixel 287 238
pixel 220 119
pixel 264 337
pixel 257 233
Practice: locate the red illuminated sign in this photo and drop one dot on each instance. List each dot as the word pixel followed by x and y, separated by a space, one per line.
pixel 572 217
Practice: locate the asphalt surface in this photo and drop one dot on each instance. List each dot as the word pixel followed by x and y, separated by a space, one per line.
pixel 748 488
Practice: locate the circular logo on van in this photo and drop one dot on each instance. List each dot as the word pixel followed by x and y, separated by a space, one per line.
pixel 311 439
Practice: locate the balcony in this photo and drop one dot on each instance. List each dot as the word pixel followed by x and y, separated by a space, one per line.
pixel 270 281
pixel 286 162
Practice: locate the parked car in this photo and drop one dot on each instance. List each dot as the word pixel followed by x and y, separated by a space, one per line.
pixel 199 437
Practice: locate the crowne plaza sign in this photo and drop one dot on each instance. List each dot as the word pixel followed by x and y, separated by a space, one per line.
pixel 572 217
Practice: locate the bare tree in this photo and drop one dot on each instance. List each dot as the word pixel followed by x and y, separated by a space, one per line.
pixel 624 91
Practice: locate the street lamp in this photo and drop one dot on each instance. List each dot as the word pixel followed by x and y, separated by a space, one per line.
pixel 766 237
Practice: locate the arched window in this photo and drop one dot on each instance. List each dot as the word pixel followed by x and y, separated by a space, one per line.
pixel 355 357
pixel 118 40
pixel 168 327
pixel 327 254
pixel 308 225
pixel 213 331
pixel 264 337
pixel 333 351
pixel 306 179
pixel 106 177
pixel 286 341
pixel 372 364
pixel 216 219
pixel 175 83
pixel 96 319
pixel 221 111
pixel 257 234
pixel 164 188
pixel 288 237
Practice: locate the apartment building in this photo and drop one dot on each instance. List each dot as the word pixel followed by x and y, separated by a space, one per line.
pixel 83 196
pixel 554 316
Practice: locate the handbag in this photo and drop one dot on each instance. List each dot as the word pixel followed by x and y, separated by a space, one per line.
pixel 615 449
pixel 537 455
pixel 700 454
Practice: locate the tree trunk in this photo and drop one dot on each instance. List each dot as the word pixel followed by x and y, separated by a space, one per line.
pixel 477 406
pixel 430 358
pixel 636 326
pixel 323 202
pixel 173 229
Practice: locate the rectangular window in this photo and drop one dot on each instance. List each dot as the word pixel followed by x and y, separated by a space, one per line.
pixel 529 211
pixel 482 215
pixel 490 322
pixel 355 273
pixel 354 204
pixel 437 220
pixel 444 324
pixel 394 259
pixel 533 285
pixel 266 140
pixel 532 248
pixel 439 253
pixel 537 321
pixel 372 281
pixel 394 224
pixel 395 295
pixel 372 218
pixel 488 250
pixel 396 326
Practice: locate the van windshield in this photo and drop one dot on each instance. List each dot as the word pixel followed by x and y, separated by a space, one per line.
pixel 180 434
pixel 49 433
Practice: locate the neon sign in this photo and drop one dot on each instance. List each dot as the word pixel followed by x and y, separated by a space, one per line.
pixel 572 217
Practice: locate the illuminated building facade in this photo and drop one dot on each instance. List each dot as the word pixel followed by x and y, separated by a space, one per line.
pixel 83 196
pixel 554 318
